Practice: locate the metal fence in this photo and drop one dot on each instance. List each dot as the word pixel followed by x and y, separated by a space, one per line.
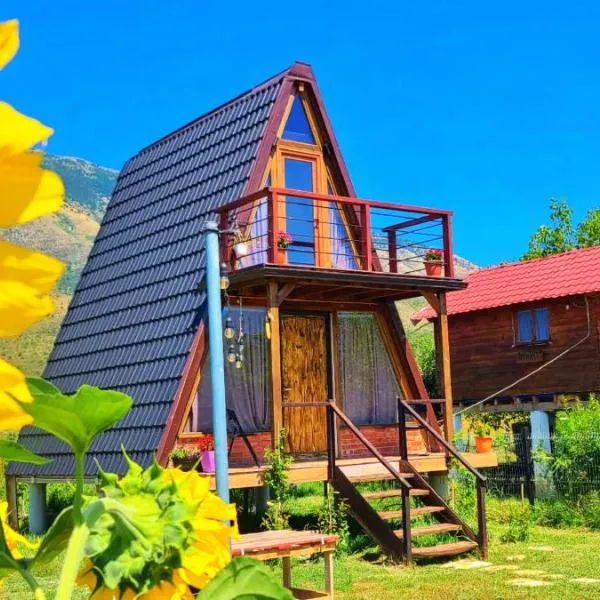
pixel 547 467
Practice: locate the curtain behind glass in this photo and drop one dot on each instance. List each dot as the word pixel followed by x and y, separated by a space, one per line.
pixel 246 389
pixel 369 386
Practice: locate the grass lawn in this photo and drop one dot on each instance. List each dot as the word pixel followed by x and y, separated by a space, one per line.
pixel 551 560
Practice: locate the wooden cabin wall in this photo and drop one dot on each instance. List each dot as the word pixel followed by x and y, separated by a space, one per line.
pixel 484 358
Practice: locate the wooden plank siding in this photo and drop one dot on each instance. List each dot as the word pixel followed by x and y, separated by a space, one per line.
pixel 484 356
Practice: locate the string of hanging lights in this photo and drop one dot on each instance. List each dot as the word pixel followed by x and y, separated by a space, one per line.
pixel 235 347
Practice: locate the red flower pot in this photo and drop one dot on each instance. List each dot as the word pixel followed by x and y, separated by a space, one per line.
pixel 483 444
pixel 433 268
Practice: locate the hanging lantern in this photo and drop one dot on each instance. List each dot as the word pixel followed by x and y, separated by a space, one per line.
pixel 238 361
pixel 224 277
pixel 231 356
pixel 229 331
pixel 268 326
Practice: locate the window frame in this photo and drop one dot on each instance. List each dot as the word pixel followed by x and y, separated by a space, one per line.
pixel 534 341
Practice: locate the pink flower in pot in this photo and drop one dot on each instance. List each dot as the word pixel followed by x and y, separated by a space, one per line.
pixel 206 446
pixel 433 262
pixel 284 240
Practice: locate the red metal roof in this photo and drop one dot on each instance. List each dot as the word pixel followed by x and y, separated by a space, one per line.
pixel 566 274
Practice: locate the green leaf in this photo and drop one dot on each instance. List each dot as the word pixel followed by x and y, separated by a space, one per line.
pixel 56 538
pixel 246 579
pixel 75 419
pixel 13 451
pixel 8 565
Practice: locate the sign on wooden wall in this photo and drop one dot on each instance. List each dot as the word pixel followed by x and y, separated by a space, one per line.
pixel 530 355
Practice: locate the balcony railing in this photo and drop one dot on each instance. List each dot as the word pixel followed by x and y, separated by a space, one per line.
pixel 291 227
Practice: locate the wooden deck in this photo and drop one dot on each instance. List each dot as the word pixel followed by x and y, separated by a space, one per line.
pixel 367 469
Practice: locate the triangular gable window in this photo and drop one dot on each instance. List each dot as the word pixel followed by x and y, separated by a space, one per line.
pixel 297 128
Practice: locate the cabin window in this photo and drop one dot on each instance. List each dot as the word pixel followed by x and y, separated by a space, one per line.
pixel 369 385
pixel 297 127
pixel 533 326
pixel 247 389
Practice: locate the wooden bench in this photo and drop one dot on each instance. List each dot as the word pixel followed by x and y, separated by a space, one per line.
pixel 285 544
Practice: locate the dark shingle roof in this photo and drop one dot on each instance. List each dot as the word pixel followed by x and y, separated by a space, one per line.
pixel 137 306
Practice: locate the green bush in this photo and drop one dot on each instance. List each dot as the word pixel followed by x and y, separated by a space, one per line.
pixel 333 518
pixel 575 459
pixel 557 513
pixel 518 518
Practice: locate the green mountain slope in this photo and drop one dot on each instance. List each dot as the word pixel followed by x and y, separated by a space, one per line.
pixel 67 235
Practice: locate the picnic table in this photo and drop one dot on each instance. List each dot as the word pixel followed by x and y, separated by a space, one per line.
pixel 285 544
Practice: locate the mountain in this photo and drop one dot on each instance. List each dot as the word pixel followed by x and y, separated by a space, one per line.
pixel 68 235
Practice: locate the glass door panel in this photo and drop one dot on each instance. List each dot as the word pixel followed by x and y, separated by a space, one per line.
pixel 299 212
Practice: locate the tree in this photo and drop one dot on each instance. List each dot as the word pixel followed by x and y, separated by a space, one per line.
pixel 561 235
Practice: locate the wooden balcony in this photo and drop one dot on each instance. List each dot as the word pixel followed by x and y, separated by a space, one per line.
pixel 350 249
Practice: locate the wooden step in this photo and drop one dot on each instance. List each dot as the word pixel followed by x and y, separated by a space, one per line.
pixel 444 549
pixel 394 493
pixel 414 512
pixel 430 529
pixel 367 477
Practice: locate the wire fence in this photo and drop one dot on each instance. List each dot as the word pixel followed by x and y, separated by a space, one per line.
pixel 565 466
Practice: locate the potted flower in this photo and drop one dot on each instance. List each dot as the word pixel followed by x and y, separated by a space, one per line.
pixel 284 240
pixel 206 447
pixel 483 438
pixel 433 262
pixel 184 457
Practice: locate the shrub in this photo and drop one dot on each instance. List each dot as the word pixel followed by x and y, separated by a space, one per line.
pixel 333 518
pixel 276 478
pixel 576 453
pixel 519 523
pixel 557 513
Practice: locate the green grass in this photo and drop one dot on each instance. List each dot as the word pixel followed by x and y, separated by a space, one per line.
pixel 367 575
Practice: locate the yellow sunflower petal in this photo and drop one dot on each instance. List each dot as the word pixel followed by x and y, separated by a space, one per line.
pixel 9 41
pixel 13 382
pixel 30 191
pixel 32 268
pixel 19 132
pixel 20 307
pixel 13 538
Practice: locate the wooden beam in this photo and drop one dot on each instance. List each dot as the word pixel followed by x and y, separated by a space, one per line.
pixel 432 299
pixel 11 498
pixel 442 343
pixel 182 395
pixel 275 356
pixel 410 223
pixel 284 292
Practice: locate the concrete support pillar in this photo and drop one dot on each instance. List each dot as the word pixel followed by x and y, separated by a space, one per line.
pixel 38 518
pixel 540 439
pixel 458 430
pixel 439 482
pixel 262 495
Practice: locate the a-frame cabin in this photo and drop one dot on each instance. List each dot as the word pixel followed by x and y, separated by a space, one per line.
pixel 317 346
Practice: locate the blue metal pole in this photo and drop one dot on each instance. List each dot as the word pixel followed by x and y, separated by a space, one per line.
pixel 217 366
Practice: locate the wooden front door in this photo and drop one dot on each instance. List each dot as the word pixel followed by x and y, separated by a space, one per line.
pixel 304 378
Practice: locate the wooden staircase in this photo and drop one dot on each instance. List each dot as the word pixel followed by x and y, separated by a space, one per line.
pixel 399 517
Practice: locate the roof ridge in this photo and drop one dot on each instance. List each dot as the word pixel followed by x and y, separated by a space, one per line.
pixel 516 263
pixel 217 109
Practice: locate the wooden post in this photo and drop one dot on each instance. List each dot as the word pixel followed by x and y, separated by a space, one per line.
pixel 275 355
pixel 11 497
pixel 448 251
pixel 328 558
pixel 442 344
pixel 286 564
pixel 392 252
pixel 366 249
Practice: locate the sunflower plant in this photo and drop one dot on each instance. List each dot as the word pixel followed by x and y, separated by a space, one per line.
pixel 154 533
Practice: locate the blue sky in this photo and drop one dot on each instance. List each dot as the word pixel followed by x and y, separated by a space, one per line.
pixel 485 110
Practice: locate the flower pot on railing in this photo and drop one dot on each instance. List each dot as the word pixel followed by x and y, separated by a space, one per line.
pixel 433 268
pixel 284 240
pixel 185 463
pixel 434 262
pixel 483 444
pixel 207 460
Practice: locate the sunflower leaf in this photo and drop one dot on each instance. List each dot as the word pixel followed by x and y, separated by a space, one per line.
pixel 75 419
pixel 245 578
pixel 56 538
pixel 15 452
